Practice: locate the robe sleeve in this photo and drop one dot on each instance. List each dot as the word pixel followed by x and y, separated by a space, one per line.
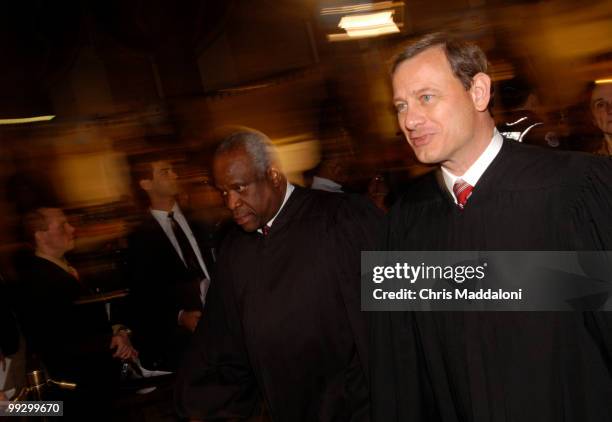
pixel 357 226
pixel 215 380
pixel 591 207
pixel 592 217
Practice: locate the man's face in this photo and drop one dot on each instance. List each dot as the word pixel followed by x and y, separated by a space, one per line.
pixel 164 183
pixel 59 235
pixel 252 200
pixel 601 107
pixel 435 112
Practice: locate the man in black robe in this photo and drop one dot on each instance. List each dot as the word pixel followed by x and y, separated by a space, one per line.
pixel 282 327
pixel 489 194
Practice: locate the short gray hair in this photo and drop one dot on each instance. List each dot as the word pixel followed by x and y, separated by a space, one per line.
pixel 466 59
pixel 256 145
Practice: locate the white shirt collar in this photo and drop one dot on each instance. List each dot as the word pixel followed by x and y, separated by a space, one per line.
pixel 323 183
pixel 476 170
pixel 160 214
pixel 288 192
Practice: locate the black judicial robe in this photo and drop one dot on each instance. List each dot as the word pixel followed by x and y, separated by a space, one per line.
pixel 282 324
pixel 500 366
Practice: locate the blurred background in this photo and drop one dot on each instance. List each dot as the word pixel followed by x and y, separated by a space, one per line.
pixel 116 78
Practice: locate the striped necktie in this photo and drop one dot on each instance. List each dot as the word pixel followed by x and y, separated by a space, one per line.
pixel 463 191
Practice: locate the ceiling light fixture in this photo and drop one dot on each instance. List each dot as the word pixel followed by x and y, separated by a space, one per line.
pixel 603 81
pixel 18 121
pixel 367 25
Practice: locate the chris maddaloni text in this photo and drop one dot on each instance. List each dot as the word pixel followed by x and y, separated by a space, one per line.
pixel 457 294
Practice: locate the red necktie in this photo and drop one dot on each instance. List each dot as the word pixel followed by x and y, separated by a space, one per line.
pixel 265 230
pixel 462 191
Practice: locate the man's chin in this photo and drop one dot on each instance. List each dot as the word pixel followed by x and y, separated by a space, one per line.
pixel 247 224
pixel 425 154
pixel 426 158
pixel 249 228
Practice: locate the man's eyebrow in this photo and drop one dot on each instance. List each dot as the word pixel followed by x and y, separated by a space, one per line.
pixel 427 89
pixel 417 92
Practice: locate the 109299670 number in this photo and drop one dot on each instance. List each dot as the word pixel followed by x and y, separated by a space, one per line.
pixel 32 408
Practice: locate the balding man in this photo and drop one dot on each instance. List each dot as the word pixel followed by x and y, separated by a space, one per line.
pixel 283 337
pixel 488 194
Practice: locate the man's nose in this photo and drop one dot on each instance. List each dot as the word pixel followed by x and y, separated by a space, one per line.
pixel 232 201
pixel 412 118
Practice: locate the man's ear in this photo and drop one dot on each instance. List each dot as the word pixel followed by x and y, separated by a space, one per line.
pixel 274 175
pixel 38 237
pixel 146 184
pixel 481 91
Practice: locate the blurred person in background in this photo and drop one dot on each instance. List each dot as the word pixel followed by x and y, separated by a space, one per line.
pixel 520 120
pixel 330 174
pixel 74 342
pixel 488 194
pixel 601 110
pixel 283 338
pixel 170 266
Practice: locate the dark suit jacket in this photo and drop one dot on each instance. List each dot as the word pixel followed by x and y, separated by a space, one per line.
pixel 160 286
pixel 73 341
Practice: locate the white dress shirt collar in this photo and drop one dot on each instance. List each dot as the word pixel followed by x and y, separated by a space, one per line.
pixel 166 225
pixel 476 170
pixel 288 192
pixel 160 214
pixel 181 220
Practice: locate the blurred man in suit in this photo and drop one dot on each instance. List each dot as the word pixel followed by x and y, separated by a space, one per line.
pixel 169 267
pixel 74 342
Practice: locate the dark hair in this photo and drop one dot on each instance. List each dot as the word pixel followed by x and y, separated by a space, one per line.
pixel 256 145
pixel 465 59
pixel 141 165
pixel 141 168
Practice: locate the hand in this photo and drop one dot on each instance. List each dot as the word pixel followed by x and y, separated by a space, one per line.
pixel 123 346
pixel 3 396
pixel 2 362
pixel 189 319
